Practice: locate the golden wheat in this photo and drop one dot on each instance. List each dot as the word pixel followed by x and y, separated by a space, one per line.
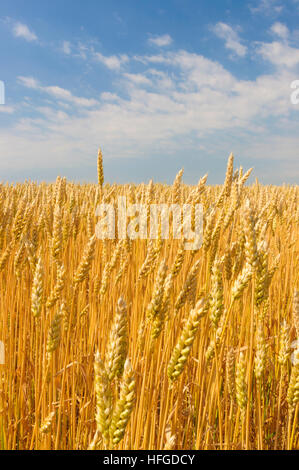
pixel 219 373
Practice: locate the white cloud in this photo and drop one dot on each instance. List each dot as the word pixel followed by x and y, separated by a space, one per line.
pixel 113 62
pixel 107 96
pixel 57 92
pixel 137 78
pixel 82 51
pixel 279 53
pixel 21 30
pixel 29 82
pixel 231 38
pixel 6 109
pixel 163 80
pixel 189 103
pixel 197 70
pixel 269 7
pixel 280 30
pixel 66 47
pixel 160 41
pixel 205 98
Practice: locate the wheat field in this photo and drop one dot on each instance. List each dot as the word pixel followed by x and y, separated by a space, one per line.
pixel 142 344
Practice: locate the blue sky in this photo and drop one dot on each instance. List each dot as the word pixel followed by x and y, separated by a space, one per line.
pixel 158 85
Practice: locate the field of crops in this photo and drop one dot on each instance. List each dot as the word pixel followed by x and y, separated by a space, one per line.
pixel 142 344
